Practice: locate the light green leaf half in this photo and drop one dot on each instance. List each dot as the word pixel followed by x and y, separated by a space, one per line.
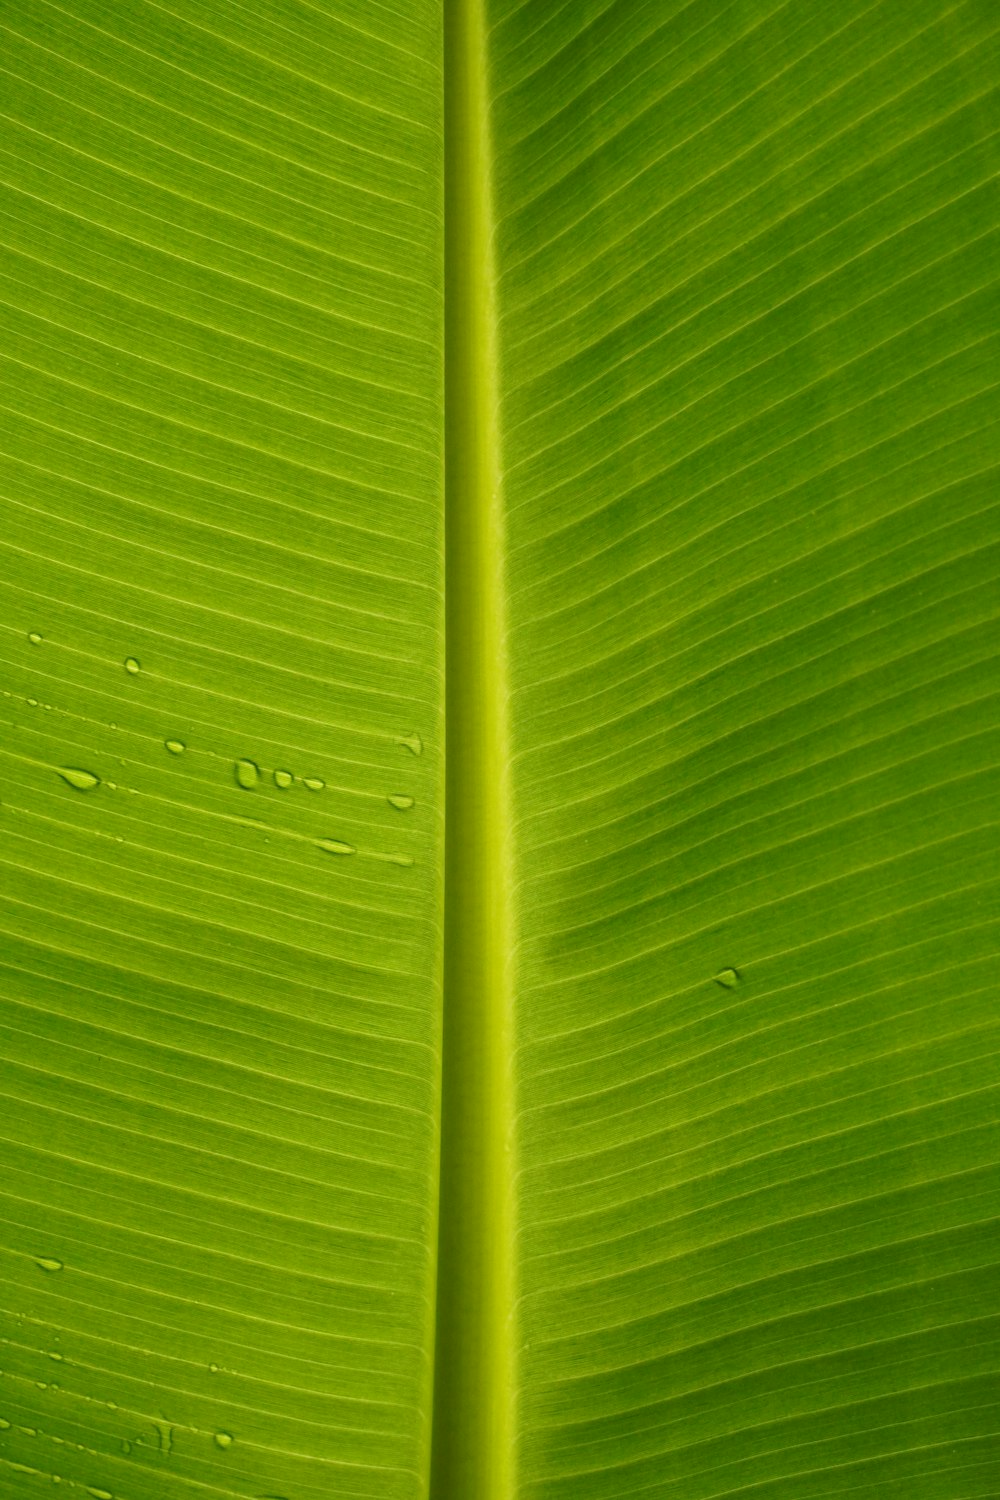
pixel 219 963
pixel 703 927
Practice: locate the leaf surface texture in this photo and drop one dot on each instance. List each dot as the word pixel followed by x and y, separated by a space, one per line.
pixel 705 921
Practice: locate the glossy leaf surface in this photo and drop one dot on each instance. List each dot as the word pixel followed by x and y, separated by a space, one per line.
pixel 599 398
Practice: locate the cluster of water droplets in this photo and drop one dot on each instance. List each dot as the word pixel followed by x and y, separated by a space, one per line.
pixel 248 777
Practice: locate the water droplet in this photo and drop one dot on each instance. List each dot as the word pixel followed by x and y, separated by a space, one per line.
pixel 411 742
pixel 32 702
pixel 132 666
pixel 214 1369
pixel 40 1385
pixel 111 1405
pixel 405 860
pixel 83 781
pixel 34 637
pixel 283 779
pixel 99 1494
pixel 165 1433
pixel 46 1263
pixel 223 1440
pixel 28 1431
pixel 335 846
pixel 54 1354
pixel 728 978
pixel 126 1446
pixel 4 1425
pixel 247 774
pixel 398 800
pixel 176 747
pixel 313 783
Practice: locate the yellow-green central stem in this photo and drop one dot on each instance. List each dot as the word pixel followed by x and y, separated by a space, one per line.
pixel 474 1382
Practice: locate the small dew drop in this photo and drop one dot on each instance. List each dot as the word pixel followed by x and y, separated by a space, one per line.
pixel 126 1446
pixel 313 783
pixel 247 774
pixel 46 1263
pixel 214 1369
pixel 82 781
pixel 398 800
pixel 132 666
pixel 404 860
pixel 176 747
pixel 728 978
pixel 54 1354
pixel 335 846
pixel 283 779
pixel 4 1425
pixel 34 637
pixel 40 1385
pixel 223 1440
pixel 411 742
pixel 99 1494
pixel 32 702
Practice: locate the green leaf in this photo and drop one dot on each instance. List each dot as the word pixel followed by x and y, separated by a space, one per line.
pixel 498 762
pixel 746 292
pixel 221 891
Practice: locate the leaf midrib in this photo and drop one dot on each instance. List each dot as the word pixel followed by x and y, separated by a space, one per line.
pixel 473 1413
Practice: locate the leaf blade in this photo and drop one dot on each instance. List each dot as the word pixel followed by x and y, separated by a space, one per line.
pixel 746 307
pixel 222 467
